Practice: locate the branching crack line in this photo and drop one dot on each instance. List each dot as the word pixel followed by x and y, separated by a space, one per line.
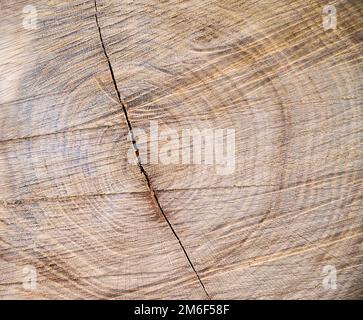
pixel 136 150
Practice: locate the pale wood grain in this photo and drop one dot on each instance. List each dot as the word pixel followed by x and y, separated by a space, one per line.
pixel 94 226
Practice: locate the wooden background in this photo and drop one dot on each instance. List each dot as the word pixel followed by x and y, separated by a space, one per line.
pixel 94 226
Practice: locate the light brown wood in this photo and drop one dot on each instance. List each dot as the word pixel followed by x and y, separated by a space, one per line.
pixel 95 226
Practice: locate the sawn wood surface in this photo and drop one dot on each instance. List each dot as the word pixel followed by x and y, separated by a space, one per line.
pixel 94 226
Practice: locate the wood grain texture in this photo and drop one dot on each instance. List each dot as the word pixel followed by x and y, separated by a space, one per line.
pixel 95 226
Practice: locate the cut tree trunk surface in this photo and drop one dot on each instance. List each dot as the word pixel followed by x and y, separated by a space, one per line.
pixel 79 220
